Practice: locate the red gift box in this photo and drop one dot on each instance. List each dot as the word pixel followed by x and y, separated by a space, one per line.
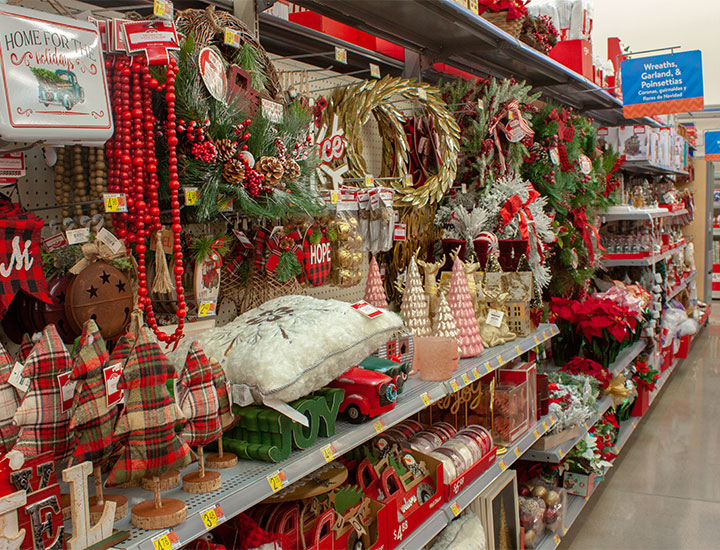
pixel 378 45
pixel 575 55
pixel 666 357
pixel 325 25
pixel 642 403
pixel 685 342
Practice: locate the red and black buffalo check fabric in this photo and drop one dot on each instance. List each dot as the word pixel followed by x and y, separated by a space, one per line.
pixel 317 261
pixel 20 261
pixel 147 423
pixel 9 401
pixel 227 419
pixel 198 399
pixel 93 422
pixel 43 425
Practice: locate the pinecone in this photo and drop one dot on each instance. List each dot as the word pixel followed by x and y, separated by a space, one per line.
pixel 233 171
pixel 271 168
pixel 226 149
pixel 292 170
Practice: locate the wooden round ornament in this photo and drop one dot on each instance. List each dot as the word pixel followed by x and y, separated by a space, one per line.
pixel 168 480
pixel 147 515
pixel 103 293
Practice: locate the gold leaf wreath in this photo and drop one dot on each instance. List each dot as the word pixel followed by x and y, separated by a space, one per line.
pixel 356 102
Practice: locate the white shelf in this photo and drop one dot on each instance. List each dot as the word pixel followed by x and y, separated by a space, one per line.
pixel 648 261
pixel 682 286
pixel 247 483
pixel 639 214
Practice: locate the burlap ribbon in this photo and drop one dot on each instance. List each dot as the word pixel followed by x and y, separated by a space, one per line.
pixel 93 252
pixel 617 389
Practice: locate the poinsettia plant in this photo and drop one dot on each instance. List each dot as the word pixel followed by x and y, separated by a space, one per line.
pixel 563 313
pixel 606 432
pixel 644 376
pixel 516 8
pixel 588 367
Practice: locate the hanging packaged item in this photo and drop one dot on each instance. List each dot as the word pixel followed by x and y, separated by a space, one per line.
pixel 53 79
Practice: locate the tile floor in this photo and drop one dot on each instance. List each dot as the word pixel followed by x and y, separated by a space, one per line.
pixel 664 490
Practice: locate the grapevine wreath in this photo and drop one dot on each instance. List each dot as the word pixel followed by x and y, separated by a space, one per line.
pixel 355 103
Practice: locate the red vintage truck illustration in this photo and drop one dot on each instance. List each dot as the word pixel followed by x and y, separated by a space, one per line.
pixel 59 87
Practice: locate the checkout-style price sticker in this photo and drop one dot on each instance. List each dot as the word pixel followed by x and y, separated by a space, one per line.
pixel 165 541
pixel 379 426
pixel 465 379
pixel 115 202
pixel 426 399
pixel 277 480
pixel 212 517
pixel 329 452
pixel 191 196
pixel 455 509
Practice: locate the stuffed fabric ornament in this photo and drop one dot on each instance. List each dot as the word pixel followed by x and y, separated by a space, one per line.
pixel 291 346
pixel 9 400
pixel 42 416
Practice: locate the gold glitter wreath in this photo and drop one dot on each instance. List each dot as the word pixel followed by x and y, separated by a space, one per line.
pixel 353 104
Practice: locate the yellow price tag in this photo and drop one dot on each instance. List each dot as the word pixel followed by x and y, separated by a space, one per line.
pixel 379 426
pixel 488 366
pixel 422 94
pixel 341 55
pixel 503 466
pixel 465 379
pixel 408 180
pixel 276 480
pixel 374 70
pixel 212 516
pixel 191 196
pixel 500 360
pixel 232 38
pixel 562 453
pixel 454 385
pixel 476 373
pixel 473 5
pixel 369 180
pixel 545 335
pixel 537 341
pixel 159 8
pixel 206 309
pixel 226 206
pixel 455 509
pixel 536 434
pixel 517 452
pixel 564 530
pixel 556 539
pixel 518 350
pixel 334 197
pixel 115 202
pixel 425 399
pixel 165 541
pixel 329 453
pixel 545 426
pixel 552 420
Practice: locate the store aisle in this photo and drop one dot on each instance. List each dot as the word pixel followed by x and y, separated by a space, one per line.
pixel 664 490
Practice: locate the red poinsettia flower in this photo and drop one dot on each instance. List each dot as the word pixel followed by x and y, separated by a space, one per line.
pixel 562 308
pixel 612 420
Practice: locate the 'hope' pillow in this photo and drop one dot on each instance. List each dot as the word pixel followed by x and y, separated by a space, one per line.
pixel 293 345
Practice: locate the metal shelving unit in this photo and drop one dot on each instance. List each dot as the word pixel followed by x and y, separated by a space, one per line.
pixel 556 454
pixel 446 32
pixel 638 214
pixel 682 286
pixel 648 261
pixel 443 516
pixel 647 167
pixel 247 483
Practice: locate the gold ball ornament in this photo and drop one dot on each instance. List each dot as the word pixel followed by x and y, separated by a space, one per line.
pixel 551 498
pixel 343 230
pixel 539 492
pixel 344 257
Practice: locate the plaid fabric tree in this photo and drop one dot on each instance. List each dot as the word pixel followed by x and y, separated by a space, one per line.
pixel 43 423
pixel 199 402
pixel 26 346
pixel 227 418
pixel 92 420
pixel 147 423
pixel 9 401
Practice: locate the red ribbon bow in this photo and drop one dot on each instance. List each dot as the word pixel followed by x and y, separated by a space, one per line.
pixel 566 133
pixel 516 207
pixel 584 227
pixel 214 254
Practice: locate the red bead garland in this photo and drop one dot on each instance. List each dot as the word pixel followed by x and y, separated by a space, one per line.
pixel 133 170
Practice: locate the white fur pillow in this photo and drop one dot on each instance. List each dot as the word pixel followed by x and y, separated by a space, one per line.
pixel 293 345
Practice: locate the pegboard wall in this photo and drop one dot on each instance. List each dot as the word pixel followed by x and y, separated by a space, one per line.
pixel 36 190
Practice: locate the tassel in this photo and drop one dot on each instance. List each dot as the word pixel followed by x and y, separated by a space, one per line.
pixel 163 283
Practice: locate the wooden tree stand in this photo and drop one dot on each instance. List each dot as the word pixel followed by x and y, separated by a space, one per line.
pixel 221 459
pixel 168 480
pixel 158 513
pixel 202 481
pixel 121 508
